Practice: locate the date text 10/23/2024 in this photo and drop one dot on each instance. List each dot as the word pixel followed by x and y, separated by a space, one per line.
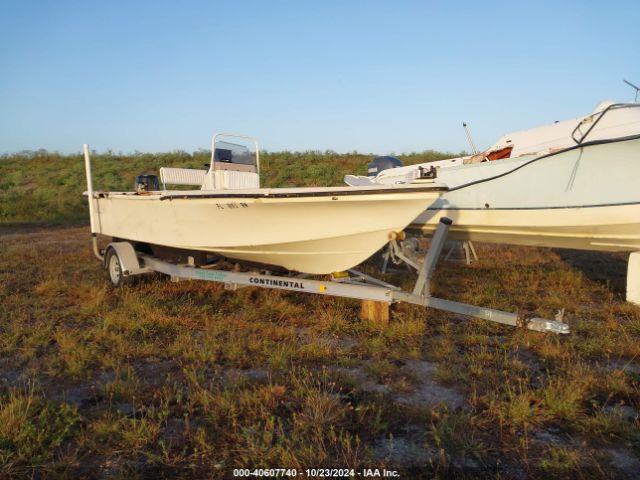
pixel 315 473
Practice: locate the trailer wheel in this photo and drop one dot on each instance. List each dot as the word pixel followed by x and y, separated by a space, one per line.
pixel 114 269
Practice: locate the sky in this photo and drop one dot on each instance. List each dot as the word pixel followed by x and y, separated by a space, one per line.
pixel 373 76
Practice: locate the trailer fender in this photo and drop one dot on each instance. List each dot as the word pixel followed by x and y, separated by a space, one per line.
pixel 129 262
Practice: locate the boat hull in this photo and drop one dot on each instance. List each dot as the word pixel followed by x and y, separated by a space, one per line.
pixel 609 228
pixel 586 198
pixel 311 234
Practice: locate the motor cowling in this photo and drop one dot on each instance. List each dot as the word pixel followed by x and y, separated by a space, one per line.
pixel 379 164
pixel 147 183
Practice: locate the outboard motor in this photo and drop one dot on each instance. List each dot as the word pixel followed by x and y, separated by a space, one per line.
pixel 379 164
pixel 147 183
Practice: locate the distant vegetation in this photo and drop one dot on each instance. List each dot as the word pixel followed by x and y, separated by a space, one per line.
pixel 44 187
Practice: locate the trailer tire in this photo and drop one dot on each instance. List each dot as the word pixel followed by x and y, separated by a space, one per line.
pixel 114 269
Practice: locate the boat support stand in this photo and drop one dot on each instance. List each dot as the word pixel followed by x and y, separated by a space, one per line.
pixel 356 285
pixel 633 278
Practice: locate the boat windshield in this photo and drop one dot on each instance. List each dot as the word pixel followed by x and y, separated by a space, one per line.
pixel 228 152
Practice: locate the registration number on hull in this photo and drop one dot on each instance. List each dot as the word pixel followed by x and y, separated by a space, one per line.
pixel 231 206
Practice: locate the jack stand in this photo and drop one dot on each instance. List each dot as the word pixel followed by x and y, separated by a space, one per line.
pixel 633 278
pixel 468 250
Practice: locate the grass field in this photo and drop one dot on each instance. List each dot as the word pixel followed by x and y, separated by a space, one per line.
pixel 167 380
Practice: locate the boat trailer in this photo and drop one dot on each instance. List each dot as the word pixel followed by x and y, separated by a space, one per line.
pixel 121 261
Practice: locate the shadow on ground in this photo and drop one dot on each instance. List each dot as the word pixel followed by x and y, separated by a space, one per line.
pixel 606 268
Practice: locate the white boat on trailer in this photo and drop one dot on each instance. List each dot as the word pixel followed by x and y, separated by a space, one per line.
pixel 333 232
pixel 310 230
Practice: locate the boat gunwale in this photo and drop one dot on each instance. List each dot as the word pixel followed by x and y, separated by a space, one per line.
pixel 269 193
pixel 307 194
pixel 553 207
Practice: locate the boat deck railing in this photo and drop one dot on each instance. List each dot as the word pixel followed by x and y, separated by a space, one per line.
pixel 613 106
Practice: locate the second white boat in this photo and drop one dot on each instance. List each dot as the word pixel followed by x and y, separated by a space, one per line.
pixel 572 184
